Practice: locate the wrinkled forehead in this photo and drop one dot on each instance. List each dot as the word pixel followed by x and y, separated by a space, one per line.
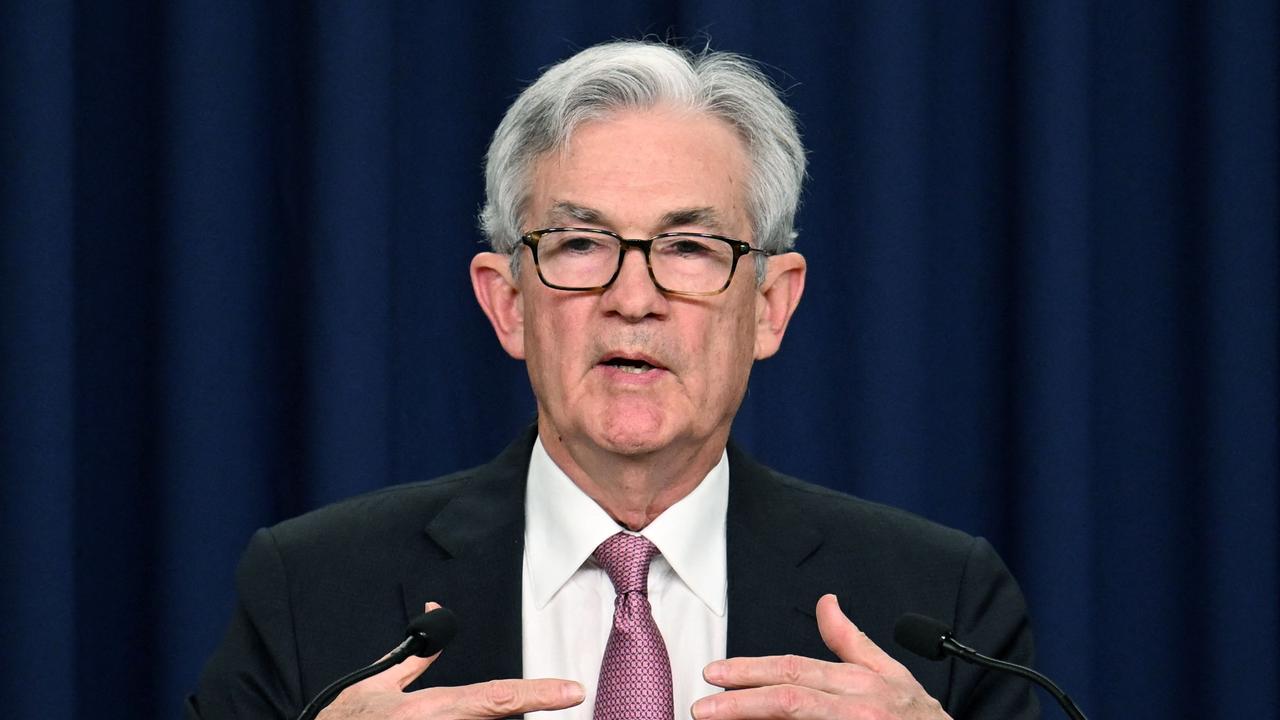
pixel 564 212
pixel 667 167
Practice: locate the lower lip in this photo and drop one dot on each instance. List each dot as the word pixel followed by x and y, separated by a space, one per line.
pixel 618 375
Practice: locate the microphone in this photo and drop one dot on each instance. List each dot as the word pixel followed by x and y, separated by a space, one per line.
pixel 426 635
pixel 931 639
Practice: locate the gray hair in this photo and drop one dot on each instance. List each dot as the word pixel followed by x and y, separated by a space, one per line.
pixel 633 74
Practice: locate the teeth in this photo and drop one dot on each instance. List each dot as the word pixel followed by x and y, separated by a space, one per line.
pixel 635 369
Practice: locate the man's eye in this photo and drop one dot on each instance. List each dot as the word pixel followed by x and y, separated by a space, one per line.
pixel 684 247
pixel 580 244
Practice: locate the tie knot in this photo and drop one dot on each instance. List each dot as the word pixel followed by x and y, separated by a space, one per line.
pixel 626 559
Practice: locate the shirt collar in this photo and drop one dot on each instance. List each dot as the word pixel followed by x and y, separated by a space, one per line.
pixel 563 526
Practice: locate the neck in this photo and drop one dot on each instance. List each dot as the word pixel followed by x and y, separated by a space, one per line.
pixel 633 489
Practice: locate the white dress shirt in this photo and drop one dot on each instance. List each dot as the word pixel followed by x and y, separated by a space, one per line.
pixel 567 600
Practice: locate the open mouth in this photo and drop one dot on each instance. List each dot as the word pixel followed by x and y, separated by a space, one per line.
pixel 630 365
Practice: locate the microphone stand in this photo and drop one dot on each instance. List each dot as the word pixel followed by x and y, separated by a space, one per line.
pixel 969 655
pixel 427 635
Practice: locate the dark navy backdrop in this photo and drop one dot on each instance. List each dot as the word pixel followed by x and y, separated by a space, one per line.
pixel 1042 306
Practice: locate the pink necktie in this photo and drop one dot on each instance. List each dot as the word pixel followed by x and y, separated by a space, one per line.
pixel 635 676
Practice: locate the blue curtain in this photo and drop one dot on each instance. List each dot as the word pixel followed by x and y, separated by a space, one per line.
pixel 1042 306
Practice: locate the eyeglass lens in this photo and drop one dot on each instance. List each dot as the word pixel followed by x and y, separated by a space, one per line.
pixel 680 263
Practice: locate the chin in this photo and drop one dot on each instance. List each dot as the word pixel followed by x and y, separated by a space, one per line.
pixel 631 428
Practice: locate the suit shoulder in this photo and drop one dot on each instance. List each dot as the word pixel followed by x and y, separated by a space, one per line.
pixel 411 506
pixel 845 512
pixel 381 515
pixel 874 537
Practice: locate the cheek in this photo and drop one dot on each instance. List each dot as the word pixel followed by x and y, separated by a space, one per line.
pixel 728 350
pixel 539 350
pixel 554 337
pixel 740 325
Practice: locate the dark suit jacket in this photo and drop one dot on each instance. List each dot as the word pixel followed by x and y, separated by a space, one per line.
pixel 332 590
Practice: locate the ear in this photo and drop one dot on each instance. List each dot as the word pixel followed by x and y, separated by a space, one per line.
pixel 776 300
pixel 499 296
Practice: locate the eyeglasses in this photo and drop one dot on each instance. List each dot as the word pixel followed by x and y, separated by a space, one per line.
pixel 681 263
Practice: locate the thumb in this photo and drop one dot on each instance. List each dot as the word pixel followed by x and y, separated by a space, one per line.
pixel 407 670
pixel 848 642
pixel 394 679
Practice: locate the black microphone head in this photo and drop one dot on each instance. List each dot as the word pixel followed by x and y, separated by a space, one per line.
pixel 432 631
pixel 921 635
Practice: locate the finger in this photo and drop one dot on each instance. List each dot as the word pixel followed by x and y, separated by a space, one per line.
pixel 749 672
pixel 502 698
pixel 394 679
pixel 409 669
pixel 775 701
pixel 848 642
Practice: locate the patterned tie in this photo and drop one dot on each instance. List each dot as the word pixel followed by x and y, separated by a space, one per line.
pixel 635 675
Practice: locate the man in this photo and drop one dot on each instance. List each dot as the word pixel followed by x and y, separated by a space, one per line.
pixel 624 557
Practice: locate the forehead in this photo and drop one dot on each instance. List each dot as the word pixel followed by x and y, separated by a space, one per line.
pixel 639 170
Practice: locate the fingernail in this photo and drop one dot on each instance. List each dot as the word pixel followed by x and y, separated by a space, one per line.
pixel 714 671
pixel 704 708
pixel 572 692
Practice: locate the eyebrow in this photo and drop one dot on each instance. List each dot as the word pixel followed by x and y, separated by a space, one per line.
pixel 564 209
pixel 702 216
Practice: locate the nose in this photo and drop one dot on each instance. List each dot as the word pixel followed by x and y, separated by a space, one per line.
pixel 633 294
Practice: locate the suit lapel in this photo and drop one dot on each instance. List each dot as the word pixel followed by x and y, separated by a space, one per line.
pixel 471 562
pixel 473 549
pixel 771 597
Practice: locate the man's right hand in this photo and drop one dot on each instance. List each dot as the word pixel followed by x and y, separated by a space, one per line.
pixel 382 696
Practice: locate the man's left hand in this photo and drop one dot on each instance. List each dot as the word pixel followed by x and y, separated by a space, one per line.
pixel 866 684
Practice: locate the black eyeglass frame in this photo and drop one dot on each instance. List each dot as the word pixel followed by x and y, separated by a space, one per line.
pixel 739 247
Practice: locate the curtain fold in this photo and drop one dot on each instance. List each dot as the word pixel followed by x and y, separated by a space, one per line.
pixel 37 356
